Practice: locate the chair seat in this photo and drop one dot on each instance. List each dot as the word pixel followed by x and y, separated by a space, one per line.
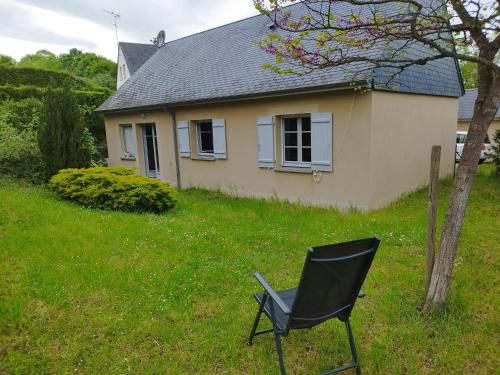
pixel 288 296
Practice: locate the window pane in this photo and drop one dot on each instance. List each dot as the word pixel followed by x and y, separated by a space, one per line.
pixel 306 124
pixel 306 139
pixel 291 154
pixel 306 154
pixel 207 144
pixel 290 124
pixel 291 139
pixel 128 140
pixel 205 126
pixel 206 138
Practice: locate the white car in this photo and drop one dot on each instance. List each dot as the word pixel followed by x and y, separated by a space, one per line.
pixel 485 150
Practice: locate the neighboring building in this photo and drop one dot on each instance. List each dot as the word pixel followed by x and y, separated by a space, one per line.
pixel 310 138
pixel 131 56
pixel 466 110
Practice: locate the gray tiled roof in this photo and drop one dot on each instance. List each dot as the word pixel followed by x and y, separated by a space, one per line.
pixel 224 63
pixel 136 54
pixel 466 105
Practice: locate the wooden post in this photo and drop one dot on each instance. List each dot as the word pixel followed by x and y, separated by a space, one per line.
pixel 431 224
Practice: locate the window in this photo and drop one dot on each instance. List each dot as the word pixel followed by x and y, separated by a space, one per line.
pixel 128 144
pixel 205 137
pixel 296 141
pixel 124 72
pixel 461 137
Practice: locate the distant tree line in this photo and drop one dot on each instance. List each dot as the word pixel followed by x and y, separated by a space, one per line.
pixel 98 70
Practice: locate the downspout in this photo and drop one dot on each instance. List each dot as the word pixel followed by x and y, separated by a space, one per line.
pixel 176 147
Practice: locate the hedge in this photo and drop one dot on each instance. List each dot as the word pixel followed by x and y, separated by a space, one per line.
pixel 89 98
pixel 41 78
pixel 114 188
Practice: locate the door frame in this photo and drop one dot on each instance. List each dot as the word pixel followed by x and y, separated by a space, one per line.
pixel 156 172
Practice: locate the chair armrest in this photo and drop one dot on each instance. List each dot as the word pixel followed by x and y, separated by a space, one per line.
pixel 361 294
pixel 272 293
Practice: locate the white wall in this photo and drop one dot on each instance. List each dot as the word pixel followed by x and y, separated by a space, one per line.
pixel 122 73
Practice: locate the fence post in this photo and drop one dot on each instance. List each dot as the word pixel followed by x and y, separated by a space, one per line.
pixel 432 218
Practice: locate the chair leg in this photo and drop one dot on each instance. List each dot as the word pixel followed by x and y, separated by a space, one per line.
pixel 277 339
pixel 257 319
pixel 353 347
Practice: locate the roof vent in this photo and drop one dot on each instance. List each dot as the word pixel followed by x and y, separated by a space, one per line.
pixel 271 26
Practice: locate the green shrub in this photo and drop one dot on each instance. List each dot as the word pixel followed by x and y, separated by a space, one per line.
pixel 83 97
pixel 40 77
pixel 114 188
pixel 23 114
pixel 19 154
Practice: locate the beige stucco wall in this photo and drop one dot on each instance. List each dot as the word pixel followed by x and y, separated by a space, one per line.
pixel 494 126
pixel 165 141
pixel 368 167
pixel 404 129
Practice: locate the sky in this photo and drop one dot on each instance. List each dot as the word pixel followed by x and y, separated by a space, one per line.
pixel 27 26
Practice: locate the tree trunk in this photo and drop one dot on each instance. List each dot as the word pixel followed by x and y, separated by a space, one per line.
pixel 484 112
pixel 431 223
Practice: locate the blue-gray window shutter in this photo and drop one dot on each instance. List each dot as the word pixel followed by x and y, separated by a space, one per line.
pixel 184 144
pixel 265 139
pixel 321 141
pixel 219 132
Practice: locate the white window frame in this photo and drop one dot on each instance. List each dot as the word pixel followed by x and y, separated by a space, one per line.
pixel 125 147
pixel 198 137
pixel 299 163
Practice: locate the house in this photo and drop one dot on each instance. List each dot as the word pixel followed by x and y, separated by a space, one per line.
pixel 466 110
pixel 202 112
pixel 131 56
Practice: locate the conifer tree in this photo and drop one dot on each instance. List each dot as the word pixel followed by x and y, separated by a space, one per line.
pixel 61 135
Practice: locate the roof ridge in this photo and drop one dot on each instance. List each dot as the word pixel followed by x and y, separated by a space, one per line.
pixel 142 44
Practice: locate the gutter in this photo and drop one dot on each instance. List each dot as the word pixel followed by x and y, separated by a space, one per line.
pixel 176 146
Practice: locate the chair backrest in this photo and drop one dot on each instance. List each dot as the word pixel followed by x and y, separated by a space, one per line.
pixel 331 280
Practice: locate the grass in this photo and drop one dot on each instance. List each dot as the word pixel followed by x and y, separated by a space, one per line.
pixel 87 291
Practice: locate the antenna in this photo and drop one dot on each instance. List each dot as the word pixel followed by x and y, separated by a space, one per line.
pixel 115 22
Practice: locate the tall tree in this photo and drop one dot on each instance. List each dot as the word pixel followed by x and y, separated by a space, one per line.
pixel 7 61
pixel 321 39
pixel 62 138
pixel 97 69
pixel 42 59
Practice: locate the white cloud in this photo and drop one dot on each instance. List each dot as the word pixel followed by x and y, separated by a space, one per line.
pixel 18 48
pixel 27 25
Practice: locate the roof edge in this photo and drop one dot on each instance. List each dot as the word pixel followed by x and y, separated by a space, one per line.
pixel 460 78
pixel 273 94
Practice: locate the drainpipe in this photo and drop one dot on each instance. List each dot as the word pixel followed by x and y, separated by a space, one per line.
pixel 176 147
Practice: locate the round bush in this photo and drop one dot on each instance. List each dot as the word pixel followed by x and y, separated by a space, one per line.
pixel 114 188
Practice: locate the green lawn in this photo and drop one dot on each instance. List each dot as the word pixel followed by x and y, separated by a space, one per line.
pixel 85 291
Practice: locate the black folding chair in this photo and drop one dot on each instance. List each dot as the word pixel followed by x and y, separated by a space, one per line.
pixel 329 286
